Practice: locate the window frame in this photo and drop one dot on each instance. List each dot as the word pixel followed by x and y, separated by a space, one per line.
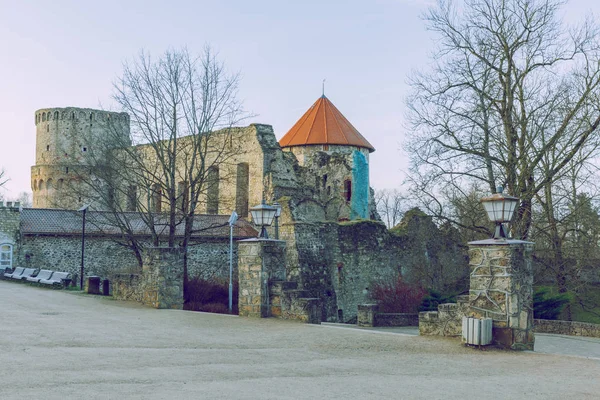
pixel 10 255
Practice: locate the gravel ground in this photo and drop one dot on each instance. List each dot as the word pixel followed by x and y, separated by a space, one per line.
pixel 65 345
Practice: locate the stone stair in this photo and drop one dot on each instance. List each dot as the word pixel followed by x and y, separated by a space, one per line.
pixel 289 302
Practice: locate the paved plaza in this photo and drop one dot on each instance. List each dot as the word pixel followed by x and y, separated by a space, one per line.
pixel 65 345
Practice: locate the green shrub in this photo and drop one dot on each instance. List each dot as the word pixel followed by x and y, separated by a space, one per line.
pixel 434 298
pixel 547 305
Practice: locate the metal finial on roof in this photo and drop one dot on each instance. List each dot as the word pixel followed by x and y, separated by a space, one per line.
pixel 323 88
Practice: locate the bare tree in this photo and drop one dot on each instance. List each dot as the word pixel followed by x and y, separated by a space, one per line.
pixel 24 199
pixel 3 178
pixel 182 113
pixel 390 205
pixel 513 99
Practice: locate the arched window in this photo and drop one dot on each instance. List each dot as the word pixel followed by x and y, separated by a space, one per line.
pixel 156 197
pixel 183 196
pixel 212 191
pixel 5 256
pixel 49 186
pixel 41 187
pixel 348 190
pixel 56 115
pixel 241 189
pixel 131 198
pixel 44 117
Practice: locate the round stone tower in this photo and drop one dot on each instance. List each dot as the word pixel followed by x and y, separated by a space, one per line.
pixel 336 156
pixel 66 141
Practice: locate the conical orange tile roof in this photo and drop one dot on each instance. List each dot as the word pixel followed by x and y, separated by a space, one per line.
pixel 323 123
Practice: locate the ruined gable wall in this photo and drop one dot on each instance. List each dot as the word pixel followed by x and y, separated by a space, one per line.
pixel 339 262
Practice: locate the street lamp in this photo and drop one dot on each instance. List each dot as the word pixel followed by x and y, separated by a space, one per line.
pixel 84 210
pixel 232 221
pixel 500 209
pixel 277 215
pixel 262 215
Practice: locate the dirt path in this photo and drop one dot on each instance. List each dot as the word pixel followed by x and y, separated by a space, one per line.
pixel 60 345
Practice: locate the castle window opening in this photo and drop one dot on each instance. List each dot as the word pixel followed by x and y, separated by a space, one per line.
pixel 43 117
pixel 6 256
pixel 111 197
pixel 56 115
pixel 131 198
pixel 84 149
pixel 324 181
pixel 41 187
pixel 241 189
pixel 72 115
pixel 66 170
pixel 47 128
pixel 48 148
pixel 156 198
pixel 183 196
pixel 348 190
pixel 212 190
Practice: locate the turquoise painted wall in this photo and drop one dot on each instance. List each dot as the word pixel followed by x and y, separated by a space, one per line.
pixel 360 186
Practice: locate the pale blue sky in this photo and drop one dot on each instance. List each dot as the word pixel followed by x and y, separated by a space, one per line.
pixel 68 53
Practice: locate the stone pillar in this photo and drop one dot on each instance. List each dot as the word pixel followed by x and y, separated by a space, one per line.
pixel 162 277
pixel 259 262
pixel 366 314
pixel 502 289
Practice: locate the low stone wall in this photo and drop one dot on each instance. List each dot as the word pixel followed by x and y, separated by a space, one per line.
pixel 446 321
pixel 571 328
pixel 369 316
pixel 385 319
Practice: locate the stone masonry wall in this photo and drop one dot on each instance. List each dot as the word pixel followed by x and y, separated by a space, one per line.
pixel 9 225
pixel 260 262
pixel 9 233
pixel 159 285
pixel 339 262
pixel 571 328
pixel 105 257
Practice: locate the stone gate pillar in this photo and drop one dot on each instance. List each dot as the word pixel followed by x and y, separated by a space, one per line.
pixel 502 289
pixel 162 277
pixel 259 261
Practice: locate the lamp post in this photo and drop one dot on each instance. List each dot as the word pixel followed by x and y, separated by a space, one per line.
pixel 500 208
pixel 277 215
pixel 232 221
pixel 84 210
pixel 262 215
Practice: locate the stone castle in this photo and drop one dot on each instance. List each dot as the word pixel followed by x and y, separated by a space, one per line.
pixel 336 247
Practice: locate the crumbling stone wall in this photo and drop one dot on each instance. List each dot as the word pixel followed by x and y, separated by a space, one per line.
pixel 339 262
